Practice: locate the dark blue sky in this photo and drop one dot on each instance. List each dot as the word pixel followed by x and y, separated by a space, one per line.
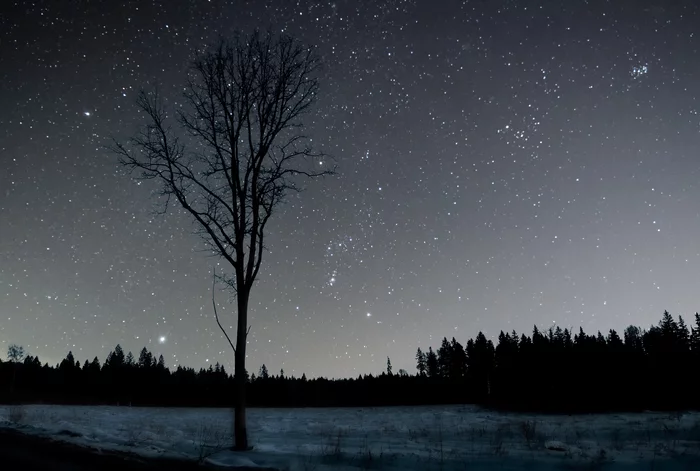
pixel 501 164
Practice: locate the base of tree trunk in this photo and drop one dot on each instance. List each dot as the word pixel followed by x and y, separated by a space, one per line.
pixel 248 448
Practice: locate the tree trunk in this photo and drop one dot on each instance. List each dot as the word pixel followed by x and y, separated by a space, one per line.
pixel 240 431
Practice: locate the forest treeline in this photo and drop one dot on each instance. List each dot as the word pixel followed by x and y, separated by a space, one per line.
pixel 550 371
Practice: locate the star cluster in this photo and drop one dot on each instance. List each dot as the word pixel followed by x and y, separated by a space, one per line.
pixel 501 164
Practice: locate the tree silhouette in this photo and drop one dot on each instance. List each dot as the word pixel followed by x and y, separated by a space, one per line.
pixel 263 372
pixel 15 354
pixel 458 361
pixel 646 369
pixel 432 365
pixel 480 363
pixel 68 363
pixel 683 335
pixel 243 108
pixel 444 355
pixel 421 362
pixel 694 340
pixel 116 358
pixel 506 363
pixel 145 358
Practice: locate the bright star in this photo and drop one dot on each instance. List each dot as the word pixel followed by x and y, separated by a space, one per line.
pixel 162 339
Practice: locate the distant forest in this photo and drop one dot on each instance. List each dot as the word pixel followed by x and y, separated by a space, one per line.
pixel 554 371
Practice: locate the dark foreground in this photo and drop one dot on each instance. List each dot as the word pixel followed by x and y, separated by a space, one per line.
pixel 20 452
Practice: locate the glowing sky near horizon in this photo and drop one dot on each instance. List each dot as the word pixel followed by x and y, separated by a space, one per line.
pixel 501 164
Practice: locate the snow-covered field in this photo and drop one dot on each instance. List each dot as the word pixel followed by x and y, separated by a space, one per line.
pixel 391 438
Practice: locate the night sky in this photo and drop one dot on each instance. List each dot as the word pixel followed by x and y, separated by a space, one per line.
pixel 500 164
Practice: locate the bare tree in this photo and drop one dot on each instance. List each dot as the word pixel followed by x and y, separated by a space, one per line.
pixel 15 354
pixel 238 149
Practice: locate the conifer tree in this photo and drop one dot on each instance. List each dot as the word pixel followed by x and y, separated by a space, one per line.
pixel 432 365
pixel 669 328
pixel 68 363
pixel 145 358
pixel 444 355
pixel 458 360
pixel 116 358
pixel 421 362
pixel 694 340
pixel 683 338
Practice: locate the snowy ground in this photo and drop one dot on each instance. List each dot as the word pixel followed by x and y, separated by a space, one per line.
pixel 397 438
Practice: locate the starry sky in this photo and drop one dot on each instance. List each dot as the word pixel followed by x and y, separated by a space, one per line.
pixel 501 164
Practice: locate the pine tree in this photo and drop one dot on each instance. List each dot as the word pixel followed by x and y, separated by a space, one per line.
pixel 614 341
pixel 431 362
pixel 683 336
pixel 421 362
pixel 568 342
pixel 480 362
pixel 444 355
pixel 145 358
pixel 514 338
pixel 694 357
pixel 558 336
pixel 668 325
pixel 695 337
pixel 458 360
pixel 633 339
pixel 263 372
pixel 388 367
pixel 68 363
pixel 115 359
pixel 601 344
pixel 537 337
pixel 506 358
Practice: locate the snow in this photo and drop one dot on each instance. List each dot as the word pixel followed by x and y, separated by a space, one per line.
pixel 390 438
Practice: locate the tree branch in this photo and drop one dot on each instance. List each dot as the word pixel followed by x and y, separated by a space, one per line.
pixel 216 314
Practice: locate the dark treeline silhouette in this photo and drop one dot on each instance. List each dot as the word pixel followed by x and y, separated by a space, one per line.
pixel 556 370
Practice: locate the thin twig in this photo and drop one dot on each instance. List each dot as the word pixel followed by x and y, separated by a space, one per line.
pixel 216 314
